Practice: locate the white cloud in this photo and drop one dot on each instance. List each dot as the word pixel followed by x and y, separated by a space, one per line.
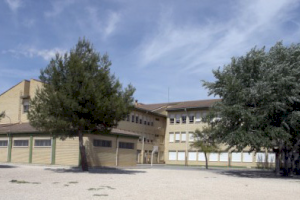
pixel 112 21
pixel 14 5
pixel 58 7
pixel 31 52
pixel 193 47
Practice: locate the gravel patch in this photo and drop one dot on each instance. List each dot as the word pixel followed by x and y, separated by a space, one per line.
pixel 59 182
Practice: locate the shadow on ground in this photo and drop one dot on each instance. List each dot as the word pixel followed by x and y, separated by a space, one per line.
pixel 255 174
pixel 104 170
pixel 7 166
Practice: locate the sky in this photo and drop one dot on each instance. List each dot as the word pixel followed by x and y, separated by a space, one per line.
pixel 163 48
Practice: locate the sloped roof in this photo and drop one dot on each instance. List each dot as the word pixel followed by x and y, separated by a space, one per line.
pixel 193 104
pixel 27 128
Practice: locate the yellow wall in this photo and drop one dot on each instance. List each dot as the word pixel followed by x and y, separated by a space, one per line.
pixel 67 151
pixel 41 155
pixel 20 154
pixel 3 151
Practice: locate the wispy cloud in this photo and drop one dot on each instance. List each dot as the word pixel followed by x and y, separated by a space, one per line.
pixel 14 5
pixel 193 47
pixel 112 21
pixel 58 7
pixel 31 52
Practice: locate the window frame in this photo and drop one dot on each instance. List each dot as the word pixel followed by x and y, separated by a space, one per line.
pixel 126 145
pixel 20 146
pixel 38 139
pixel 3 146
pixel 101 142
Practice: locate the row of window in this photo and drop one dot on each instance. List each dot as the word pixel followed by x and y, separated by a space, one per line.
pixel 140 119
pixel 180 137
pixel 183 119
pixel 108 143
pixel 25 143
pixel 222 157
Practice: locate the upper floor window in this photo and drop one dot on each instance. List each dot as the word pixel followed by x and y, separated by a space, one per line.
pixel 172 119
pixel 137 119
pixel 171 137
pixel 25 105
pixel 177 119
pixel 191 117
pixel 183 136
pixel 198 117
pixel 183 118
pixel 177 137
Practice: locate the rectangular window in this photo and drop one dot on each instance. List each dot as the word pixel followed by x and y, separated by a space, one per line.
pixel 201 156
pixel 247 157
pixel 236 157
pixel 177 137
pixel 191 118
pixel 177 119
pixel 198 118
pixel 126 145
pixel 102 143
pixel 213 157
pixel 25 105
pixel 128 117
pixel 260 157
pixel 171 119
pixel 3 143
pixel 183 118
pixel 42 143
pixel 191 137
pixel 192 156
pixel 224 157
pixel 141 121
pixel 21 143
pixel 183 137
pixel 132 118
pixel 271 157
pixel 136 119
pixel 181 155
pixel 172 155
pixel 203 114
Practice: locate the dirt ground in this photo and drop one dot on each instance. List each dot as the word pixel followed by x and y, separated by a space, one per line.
pixel 142 182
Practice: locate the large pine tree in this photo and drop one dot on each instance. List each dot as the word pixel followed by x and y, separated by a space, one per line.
pixel 79 94
pixel 260 104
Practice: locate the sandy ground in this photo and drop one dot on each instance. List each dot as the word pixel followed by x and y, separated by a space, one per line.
pixel 160 182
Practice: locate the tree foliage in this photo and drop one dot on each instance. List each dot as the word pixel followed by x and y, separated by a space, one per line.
pixel 260 94
pixel 2 115
pixel 79 94
pixel 205 141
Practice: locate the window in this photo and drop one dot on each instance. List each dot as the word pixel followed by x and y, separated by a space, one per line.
pixel 172 155
pixel 157 119
pixel 201 156
pixel 132 118
pixel 213 157
pixel 271 157
pixel 191 137
pixel 224 157
pixel 236 157
pixel 247 157
pixel 141 121
pixel 102 143
pixel 145 120
pixel 177 137
pixel 126 145
pixel 260 157
pixel 192 156
pixel 183 137
pixel 152 123
pixel 171 119
pixel 198 119
pixel 136 119
pixel 203 114
pixel 171 137
pixel 25 105
pixel 183 118
pixel 42 143
pixel 128 117
pixel 3 143
pixel 21 143
pixel 191 117
pixel 177 119
pixel 181 155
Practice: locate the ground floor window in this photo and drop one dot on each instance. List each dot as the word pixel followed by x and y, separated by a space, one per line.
pixel 21 143
pixel 224 157
pixel 247 157
pixel 42 143
pixel 201 156
pixel 271 157
pixel 102 143
pixel 260 157
pixel 172 155
pixel 236 157
pixel 192 156
pixel 213 157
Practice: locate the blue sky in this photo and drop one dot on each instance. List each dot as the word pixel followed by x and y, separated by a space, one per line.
pixel 155 45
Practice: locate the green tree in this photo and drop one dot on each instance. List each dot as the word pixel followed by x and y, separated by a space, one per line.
pixel 260 104
pixel 204 141
pixel 79 95
pixel 2 115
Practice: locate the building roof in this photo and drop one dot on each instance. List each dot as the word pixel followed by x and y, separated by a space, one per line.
pixel 27 128
pixel 193 104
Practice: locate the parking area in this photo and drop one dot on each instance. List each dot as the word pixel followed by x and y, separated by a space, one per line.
pixel 142 182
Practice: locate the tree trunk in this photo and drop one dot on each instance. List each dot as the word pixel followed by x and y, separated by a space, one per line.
pixel 84 164
pixel 277 164
pixel 206 162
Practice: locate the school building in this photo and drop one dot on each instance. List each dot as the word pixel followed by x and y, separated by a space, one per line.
pixel 162 132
